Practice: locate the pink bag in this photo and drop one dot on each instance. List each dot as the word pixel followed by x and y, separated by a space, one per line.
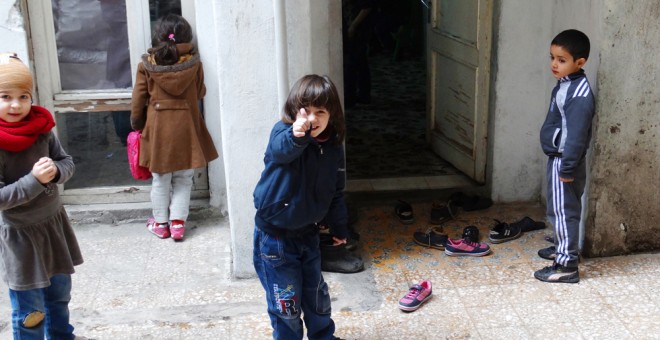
pixel 133 148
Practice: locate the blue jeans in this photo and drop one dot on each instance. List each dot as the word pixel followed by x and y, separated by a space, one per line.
pixel 43 310
pixel 289 269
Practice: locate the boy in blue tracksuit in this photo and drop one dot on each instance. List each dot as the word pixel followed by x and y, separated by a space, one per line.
pixel 565 137
pixel 301 185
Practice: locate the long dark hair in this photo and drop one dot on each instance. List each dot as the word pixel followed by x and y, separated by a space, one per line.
pixel 319 91
pixel 170 30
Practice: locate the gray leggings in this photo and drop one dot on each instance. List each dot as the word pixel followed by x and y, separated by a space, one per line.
pixel 170 195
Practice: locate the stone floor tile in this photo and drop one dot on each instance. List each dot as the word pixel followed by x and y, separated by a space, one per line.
pixel 527 292
pixel 493 316
pixel 553 330
pixel 597 329
pixel 505 333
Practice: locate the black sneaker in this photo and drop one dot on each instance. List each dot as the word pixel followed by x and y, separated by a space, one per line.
pixel 549 253
pixel 433 238
pixel 471 233
pixel 403 210
pixel 558 273
pixel 441 212
pixel 503 232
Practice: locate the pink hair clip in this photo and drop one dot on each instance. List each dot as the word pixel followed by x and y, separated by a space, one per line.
pixel 171 36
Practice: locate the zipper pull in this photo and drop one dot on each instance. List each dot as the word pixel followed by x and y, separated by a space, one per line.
pixel 320 148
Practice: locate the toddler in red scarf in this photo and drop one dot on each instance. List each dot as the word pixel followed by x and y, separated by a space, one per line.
pixel 37 244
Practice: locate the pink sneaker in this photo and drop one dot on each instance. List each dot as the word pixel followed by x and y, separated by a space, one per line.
pixel 464 247
pixel 417 295
pixel 178 230
pixel 160 230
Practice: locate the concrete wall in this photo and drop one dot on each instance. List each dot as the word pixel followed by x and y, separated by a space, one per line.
pixel 208 45
pixel 521 87
pixel 12 29
pixel 250 105
pixel 624 208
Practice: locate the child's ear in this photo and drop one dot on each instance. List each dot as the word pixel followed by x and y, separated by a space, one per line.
pixel 581 61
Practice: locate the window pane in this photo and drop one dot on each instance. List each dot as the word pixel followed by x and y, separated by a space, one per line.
pixel 92 44
pixel 96 141
pixel 161 8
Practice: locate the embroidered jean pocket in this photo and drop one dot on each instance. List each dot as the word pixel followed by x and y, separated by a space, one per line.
pixel 271 249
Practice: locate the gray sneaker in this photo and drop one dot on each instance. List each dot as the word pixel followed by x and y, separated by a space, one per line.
pixel 549 253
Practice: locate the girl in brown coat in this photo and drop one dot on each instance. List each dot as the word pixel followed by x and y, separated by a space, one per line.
pixel 165 106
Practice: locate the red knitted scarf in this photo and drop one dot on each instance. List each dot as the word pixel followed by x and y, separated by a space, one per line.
pixel 18 136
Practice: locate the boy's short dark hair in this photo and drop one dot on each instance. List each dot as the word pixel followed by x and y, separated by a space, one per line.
pixel 573 41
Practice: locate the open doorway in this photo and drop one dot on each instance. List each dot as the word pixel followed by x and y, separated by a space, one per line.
pixel 385 80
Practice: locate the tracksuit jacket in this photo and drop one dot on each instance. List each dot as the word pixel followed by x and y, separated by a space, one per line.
pixel 566 132
pixel 302 184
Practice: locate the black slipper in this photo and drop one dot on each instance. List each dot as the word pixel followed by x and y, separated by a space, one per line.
pixel 528 224
pixel 404 212
pixel 503 232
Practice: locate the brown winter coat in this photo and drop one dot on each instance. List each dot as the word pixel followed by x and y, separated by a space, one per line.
pixel 174 135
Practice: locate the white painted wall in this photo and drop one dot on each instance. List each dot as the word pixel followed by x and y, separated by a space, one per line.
pixel 207 43
pixel 523 83
pixel 248 107
pixel 12 29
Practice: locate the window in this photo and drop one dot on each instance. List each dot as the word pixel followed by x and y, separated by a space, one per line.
pixel 85 56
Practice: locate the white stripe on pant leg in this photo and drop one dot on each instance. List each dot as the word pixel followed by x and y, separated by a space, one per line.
pixel 561 216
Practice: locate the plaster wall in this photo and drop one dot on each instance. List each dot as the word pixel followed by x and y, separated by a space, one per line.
pixel 521 88
pixel 248 108
pixel 12 29
pixel 208 45
pixel 623 198
pixel 314 39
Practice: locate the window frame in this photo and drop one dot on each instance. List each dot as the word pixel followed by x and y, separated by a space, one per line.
pixel 49 92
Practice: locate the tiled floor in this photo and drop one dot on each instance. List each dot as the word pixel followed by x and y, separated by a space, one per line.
pixel 387 138
pixel 135 286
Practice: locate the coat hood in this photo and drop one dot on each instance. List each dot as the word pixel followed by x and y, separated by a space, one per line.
pixel 173 79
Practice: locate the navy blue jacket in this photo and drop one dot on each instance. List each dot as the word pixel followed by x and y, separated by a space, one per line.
pixel 301 185
pixel 566 132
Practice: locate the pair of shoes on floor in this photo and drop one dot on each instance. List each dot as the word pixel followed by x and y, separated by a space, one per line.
pixel 465 247
pixel 404 212
pixel 470 202
pixel 417 295
pixel 468 244
pixel 164 230
pixel 339 258
pixel 558 273
pixel 442 212
pixel 433 238
pixel 503 232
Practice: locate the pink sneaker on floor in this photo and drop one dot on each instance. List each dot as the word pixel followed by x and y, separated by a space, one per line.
pixel 417 295
pixel 464 247
pixel 160 230
pixel 178 230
